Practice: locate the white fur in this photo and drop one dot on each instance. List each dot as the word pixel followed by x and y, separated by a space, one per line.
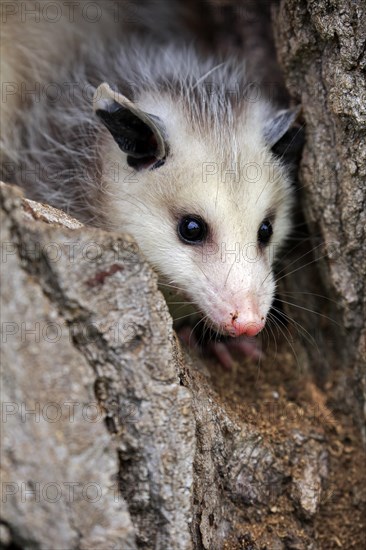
pixel 200 102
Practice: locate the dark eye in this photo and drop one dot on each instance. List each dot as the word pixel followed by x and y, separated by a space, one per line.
pixel 192 229
pixel 265 232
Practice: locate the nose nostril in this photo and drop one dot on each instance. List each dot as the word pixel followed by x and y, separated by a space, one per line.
pixel 251 328
pixel 234 316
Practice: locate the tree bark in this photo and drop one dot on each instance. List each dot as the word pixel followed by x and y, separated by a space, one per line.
pixel 111 428
pixel 113 436
pixel 321 47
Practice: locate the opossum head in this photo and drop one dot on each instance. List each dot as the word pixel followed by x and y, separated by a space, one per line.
pixel 205 198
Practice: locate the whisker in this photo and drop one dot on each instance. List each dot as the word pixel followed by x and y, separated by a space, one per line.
pixel 193 329
pixel 177 303
pixel 171 286
pixel 310 311
pixel 301 267
pixel 200 268
pixel 293 138
pixel 267 328
pixel 288 341
pixel 188 315
pixel 295 292
pixel 227 276
pixel 297 259
pixel 302 330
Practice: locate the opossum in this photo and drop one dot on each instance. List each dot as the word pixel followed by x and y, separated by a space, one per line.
pixel 152 138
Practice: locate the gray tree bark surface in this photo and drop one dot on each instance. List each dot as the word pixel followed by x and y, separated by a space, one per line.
pixel 101 352
pixel 321 47
pixel 111 428
pixel 113 436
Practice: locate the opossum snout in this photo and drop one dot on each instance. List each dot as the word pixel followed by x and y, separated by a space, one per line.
pixel 249 328
pixel 248 322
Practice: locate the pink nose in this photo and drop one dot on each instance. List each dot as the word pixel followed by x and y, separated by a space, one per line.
pixel 246 321
pixel 249 328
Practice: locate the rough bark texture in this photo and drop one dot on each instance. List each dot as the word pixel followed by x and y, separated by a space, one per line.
pixel 321 47
pixel 130 444
pixel 134 444
pixel 99 347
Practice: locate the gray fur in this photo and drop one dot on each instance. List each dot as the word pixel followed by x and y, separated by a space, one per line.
pixel 60 152
pixel 58 157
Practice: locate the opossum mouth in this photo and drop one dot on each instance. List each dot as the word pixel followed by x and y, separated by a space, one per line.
pixel 204 322
pixel 187 311
pixel 226 332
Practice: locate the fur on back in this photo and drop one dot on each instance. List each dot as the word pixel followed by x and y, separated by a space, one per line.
pixel 49 134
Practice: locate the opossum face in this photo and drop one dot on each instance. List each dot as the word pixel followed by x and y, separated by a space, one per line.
pixel 208 215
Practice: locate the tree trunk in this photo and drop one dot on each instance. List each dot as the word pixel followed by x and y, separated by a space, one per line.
pixel 321 47
pixel 113 436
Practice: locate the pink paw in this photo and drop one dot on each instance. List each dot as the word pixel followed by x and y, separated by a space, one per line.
pixel 244 345
pixel 223 348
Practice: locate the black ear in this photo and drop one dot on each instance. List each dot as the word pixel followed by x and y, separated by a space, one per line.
pixel 138 134
pixel 277 127
pixel 289 147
